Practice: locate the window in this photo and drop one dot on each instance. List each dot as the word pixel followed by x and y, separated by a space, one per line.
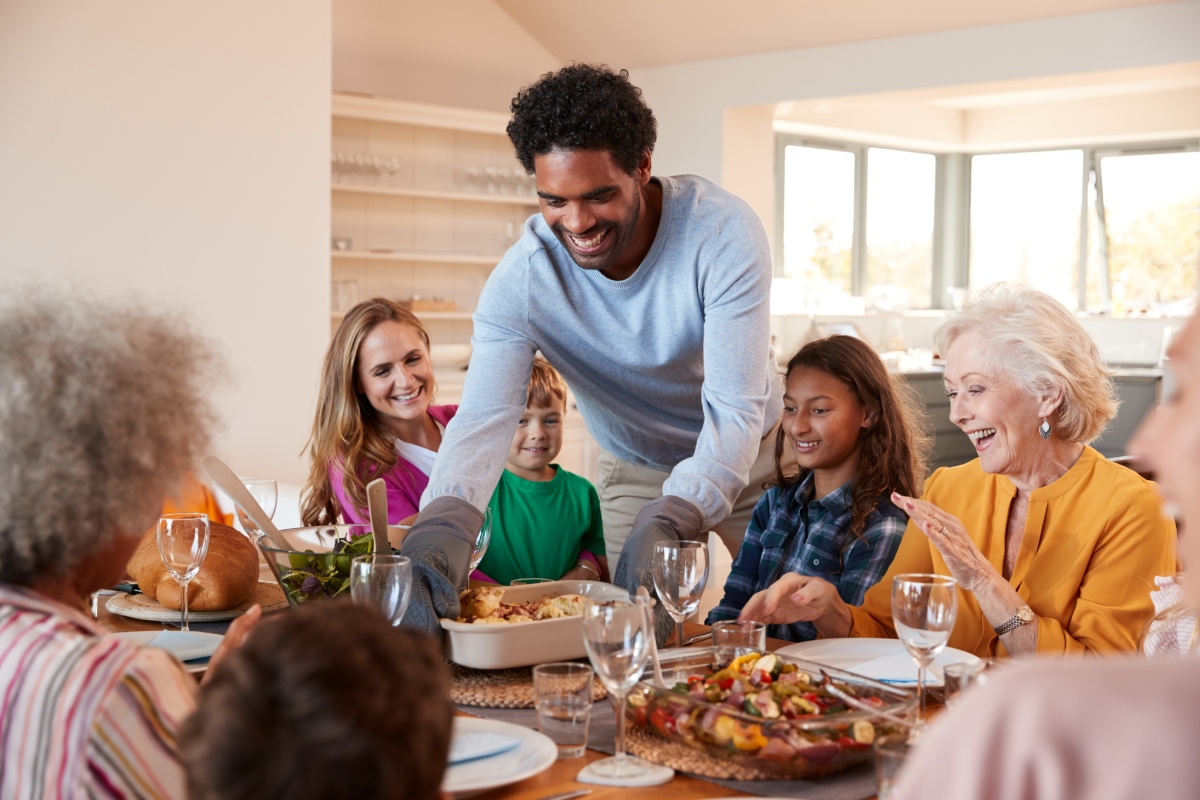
pixel 1105 230
pixel 857 221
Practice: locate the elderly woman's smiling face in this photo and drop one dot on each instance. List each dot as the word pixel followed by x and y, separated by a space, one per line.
pixel 1000 418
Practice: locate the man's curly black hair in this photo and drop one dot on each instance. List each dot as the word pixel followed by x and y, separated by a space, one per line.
pixel 583 107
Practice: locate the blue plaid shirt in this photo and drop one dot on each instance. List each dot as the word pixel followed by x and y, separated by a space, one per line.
pixel 791 531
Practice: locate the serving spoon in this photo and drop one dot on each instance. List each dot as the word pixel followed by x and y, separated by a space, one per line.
pixel 232 485
pixel 643 595
pixel 378 508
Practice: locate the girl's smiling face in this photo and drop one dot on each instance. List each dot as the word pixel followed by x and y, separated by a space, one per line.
pixel 822 420
pixel 394 373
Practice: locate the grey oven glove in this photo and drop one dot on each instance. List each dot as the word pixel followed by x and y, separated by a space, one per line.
pixel 439 545
pixel 667 519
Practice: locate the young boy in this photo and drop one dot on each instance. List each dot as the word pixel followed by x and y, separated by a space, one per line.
pixel 327 700
pixel 545 520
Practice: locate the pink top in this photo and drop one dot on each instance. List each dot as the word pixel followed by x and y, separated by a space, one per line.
pixel 1066 730
pixel 405 483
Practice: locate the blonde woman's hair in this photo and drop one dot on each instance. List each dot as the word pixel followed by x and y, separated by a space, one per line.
pixel 347 431
pixel 1034 340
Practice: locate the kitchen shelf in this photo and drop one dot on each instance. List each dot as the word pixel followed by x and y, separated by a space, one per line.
pixel 426 315
pixel 469 197
pixel 419 257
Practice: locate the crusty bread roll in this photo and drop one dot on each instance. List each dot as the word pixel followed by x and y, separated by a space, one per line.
pixel 227 578
pixel 481 601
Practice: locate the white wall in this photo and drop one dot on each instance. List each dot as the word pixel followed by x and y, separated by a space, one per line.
pixel 181 151
pixel 688 99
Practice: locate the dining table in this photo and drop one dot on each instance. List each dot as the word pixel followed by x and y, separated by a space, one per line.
pixel 560 777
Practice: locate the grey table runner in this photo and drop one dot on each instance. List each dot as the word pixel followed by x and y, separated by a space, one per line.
pixel 856 783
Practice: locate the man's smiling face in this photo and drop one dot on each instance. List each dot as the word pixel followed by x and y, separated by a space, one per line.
pixel 593 206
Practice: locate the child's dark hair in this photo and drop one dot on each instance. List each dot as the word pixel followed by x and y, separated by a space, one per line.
pixel 583 107
pixel 545 385
pixel 327 700
pixel 892 452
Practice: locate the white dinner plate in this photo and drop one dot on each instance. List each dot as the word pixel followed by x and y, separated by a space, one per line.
pixel 139 606
pixel 534 753
pixel 191 647
pixel 882 659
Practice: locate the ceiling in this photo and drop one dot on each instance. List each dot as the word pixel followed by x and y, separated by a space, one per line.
pixel 650 33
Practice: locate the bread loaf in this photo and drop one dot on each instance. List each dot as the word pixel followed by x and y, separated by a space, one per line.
pixel 227 578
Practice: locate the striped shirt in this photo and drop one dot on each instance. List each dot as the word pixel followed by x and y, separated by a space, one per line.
pixel 84 715
pixel 789 531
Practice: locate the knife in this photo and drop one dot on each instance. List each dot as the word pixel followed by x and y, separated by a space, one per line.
pixel 567 795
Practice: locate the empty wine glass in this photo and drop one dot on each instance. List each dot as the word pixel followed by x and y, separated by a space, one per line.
pixel 182 545
pixel 266 494
pixel 924 608
pixel 680 571
pixel 479 549
pixel 382 581
pixel 616 635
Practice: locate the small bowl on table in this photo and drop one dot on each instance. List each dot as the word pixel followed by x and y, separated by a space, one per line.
pixel 316 564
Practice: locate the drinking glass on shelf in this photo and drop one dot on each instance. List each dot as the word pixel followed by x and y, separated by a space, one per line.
pixel 924 608
pixel 266 494
pixel 479 549
pixel 382 581
pixel 616 635
pixel 182 545
pixel 680 571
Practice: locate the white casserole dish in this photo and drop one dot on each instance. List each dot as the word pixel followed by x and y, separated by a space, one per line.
pixel 520 644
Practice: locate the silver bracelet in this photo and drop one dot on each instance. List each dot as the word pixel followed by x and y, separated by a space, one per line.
pixel 589 566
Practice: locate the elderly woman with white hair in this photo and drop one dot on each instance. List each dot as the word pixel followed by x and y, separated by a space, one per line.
pixel 103 410
pixel 1054 547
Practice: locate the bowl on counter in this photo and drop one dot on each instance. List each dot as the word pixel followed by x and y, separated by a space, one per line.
pixel 811 734
pixel 521 644
pixel 316 564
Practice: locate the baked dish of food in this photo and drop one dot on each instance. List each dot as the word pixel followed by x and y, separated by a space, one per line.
pixel 484 606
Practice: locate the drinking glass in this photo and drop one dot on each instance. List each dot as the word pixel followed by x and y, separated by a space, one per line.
pixel 382 581
pixel 616 635
pixel 733 638
pixel 890 752
pixel 479 550
pixel 266 494
pixel 958 677
pixel 680 570
pixel 182 545
pixel 562 694
pixel 924 608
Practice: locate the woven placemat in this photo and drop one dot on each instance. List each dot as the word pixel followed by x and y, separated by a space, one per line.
pixel 677 756
pixel 499 688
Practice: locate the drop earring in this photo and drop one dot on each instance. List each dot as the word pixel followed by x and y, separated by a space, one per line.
pixel 1044 428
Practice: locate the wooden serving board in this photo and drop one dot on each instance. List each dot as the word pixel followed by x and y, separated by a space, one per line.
pixel 139 606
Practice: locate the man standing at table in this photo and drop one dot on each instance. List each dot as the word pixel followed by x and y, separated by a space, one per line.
pixel 651 296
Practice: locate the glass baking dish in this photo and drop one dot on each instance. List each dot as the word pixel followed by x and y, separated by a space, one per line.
pixel 763 738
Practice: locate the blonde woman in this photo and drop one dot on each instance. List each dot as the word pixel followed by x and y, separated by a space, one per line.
pixel 374 416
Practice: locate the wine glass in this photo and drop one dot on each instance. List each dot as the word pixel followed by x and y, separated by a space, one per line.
pixel 680 571
pixel 382 581
pixel 616 635
pixel 479 549
pixel 266 494
pixel 182 546
pixel 924 608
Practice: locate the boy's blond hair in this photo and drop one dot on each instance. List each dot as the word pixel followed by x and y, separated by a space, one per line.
pixel 545 384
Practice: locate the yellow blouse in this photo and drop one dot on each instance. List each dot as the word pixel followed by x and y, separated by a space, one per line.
pixel 1094 540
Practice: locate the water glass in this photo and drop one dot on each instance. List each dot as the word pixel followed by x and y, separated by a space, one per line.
pixel 890 752
pixel 680 572
pixel 924 608
pixel 266 494
pixel 733 638
pixel 961 676
pixel 182 545
pixel 382 581
pixel 562 694
pixel 479 549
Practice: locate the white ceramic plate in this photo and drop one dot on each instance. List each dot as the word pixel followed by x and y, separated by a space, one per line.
pixel 184 645
pixel 535 753
pixel 139 606
pixel 882 659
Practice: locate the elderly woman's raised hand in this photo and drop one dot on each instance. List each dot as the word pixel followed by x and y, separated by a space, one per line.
pixel 966 563
pixel 800 598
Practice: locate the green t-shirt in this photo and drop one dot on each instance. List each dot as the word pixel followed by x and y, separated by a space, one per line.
pixel 539 527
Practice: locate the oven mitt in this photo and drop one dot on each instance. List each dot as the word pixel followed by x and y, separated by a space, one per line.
pixel 439 545
pixel 667 519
